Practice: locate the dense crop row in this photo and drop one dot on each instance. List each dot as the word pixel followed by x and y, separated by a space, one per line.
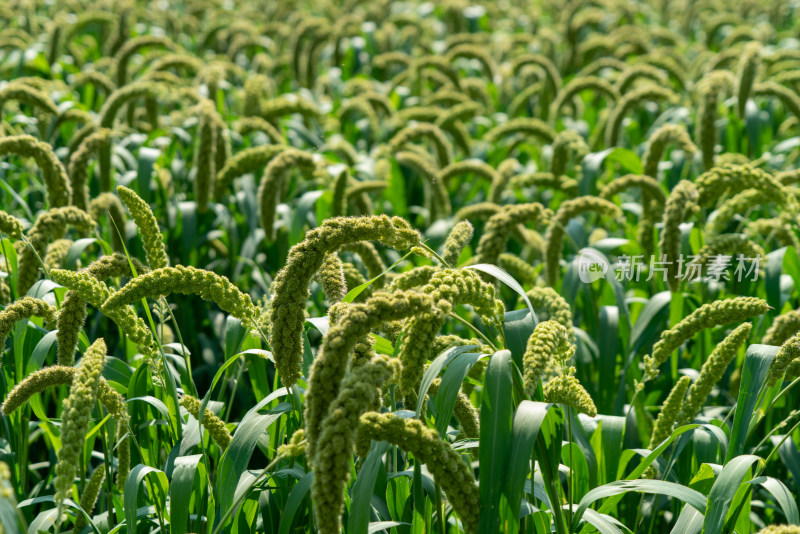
pixel 399 267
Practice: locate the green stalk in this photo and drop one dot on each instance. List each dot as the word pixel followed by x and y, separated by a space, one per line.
pixel 551 485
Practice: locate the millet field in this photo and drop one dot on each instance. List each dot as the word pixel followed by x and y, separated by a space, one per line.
pixel 400 267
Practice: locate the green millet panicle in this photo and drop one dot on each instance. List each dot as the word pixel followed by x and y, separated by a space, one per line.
pixel 646 183
pixel 711 373
pixel 122 96
pixel 448 288
pixel 187 280
pixel 778 229
pixel 708 315
pixel 450 472
pixel 290 286
pixel 79 136
pixel 10 225
pixel 710 88
pixel 468 166
pixel 5 292
pixel 272 182
pixel 56 253
pixel 49 225
pixel 463 410
pixel 354 278
pixel 333 359
pixel 563 184
pixel 730 179
pixel 681 205
pixel 23 308
pixel 25 94
pixel 476 52
pixel 59 192
pixel 567 144
pixel 782 328
pixel 497 229
pixel 247 125
pixel 79 165
pixel 339 204
pixel 549 342
pixel 733 245
pixel 780 529
pixel 36 382
pixel 458 238
pixel 577 86
pixel 528 127
pixel 787 97
pixel 100 81
pixel 215 426
pixel 205 153
pixel 75 417
pixel 522 271
pixel 787 354
pixel 276 108
pixel 331 463
pixel 296 446
pixel 665 421
pixel 357 193
pixel 332 279
pixel 568 391
pixel 539 60
pixel 438 202
pixel 90 494
pixel 96 293
pixel 734 207
pixel 371 259
pixel 154 248
pixel 477 212
pixel 129 48
pixel 746 74
pixel 109 205
pixel 652 201
pixel 629 76
pixel 418 276
pixel 359 106
pixel 245 161
pixel 84 284
pixel 557 308
pixel 558 227
pixel 630 100
pixel 72 313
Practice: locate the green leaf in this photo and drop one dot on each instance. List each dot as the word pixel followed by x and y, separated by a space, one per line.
pixel 497 410
pixel 518 328
pixel 356 291
pixel 180 491
pixel 131 491
pixel 294 501
pixel 525 427
pixel 364 486
pixel 305 207
pixel 661 487
pixel 757 362
pixel 782 496
pixel 450 386
pixel 507 279
pixel 237 456
pixel 235 332
pixel 382 345
pixel 76 251
pixel 40 352
pixel 724 489
pixel 433 370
